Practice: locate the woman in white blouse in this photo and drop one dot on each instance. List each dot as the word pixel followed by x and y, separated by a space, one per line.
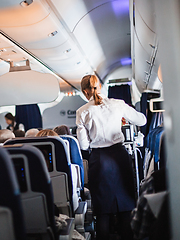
pixel 111 181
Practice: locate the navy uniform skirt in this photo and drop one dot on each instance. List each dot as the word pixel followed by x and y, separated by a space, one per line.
pixel 111 180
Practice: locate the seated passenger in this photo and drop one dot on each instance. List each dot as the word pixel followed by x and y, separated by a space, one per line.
pixel 6 134
pixel 31 132
pixel 12 125
pixel 62 130
pixel 46 132
pixel 19 133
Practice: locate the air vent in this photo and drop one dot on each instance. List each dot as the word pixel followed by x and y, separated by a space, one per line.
pixel 53 34
pixel 26 3
pixel 67 51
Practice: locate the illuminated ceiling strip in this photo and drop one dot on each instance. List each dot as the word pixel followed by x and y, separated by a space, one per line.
pixel 36 58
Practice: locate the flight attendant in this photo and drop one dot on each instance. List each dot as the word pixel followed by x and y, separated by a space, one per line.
pixel 12 125
pixel 111 180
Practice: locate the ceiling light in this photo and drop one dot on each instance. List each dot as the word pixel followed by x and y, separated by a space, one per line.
pixel 26 3
pixel 67 51
pixel 53 34
pixel 126 61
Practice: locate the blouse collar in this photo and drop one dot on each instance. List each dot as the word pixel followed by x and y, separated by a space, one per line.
pixel 102 95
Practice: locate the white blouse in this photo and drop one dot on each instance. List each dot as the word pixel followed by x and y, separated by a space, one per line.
pixel 100 125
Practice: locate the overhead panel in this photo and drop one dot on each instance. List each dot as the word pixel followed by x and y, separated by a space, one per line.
pixel 8 3
pixel 101 28
pixel 107 37
pixel 27 87
pixel 73 37
pixel 144 45
pixel 144 32
pixel 37 29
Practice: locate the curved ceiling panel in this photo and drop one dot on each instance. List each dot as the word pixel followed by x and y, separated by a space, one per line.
pixel 88 35
pixel 63 51
pixel 111 36
pixel 8 3
pixel 145 35
pixel 140 65
pixel 37 32
pixel 147 13
pixel 23 16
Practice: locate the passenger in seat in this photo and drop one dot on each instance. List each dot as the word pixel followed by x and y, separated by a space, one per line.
pixel 62 130
pixel 111 180
pixel 31 132
pixel 19 133
pixel 6 134
pixel 46 132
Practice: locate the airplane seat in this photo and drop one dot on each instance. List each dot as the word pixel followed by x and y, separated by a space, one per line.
pixel 60 166
pixel 36 194
pixel 75 154
pixel 11 214
pixel 60 171
pixel 76 158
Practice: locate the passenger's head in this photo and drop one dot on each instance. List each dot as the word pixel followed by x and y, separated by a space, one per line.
pixel 62 130
pixel 10 119
pixel 19 133
pixel 46 132
pixel 31 132
pixel 90 86
pixel 6 134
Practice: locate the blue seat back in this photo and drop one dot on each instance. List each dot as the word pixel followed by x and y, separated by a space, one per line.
pixel 59 155
pixel 35 177
pixel 75 154
pixel 10 194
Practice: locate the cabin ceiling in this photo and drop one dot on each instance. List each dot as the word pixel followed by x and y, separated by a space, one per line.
pixel 69 38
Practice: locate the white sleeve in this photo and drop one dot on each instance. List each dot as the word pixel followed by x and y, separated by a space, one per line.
pixel 133 116
pixel 21 127
pixel 82 134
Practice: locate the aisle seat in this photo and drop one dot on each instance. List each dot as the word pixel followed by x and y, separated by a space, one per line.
pixel 59 169
pixel 11 213
pixel 36 193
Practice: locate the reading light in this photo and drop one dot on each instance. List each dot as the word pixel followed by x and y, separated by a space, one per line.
pixel 26 3
pixel 151 45
pixel 53 34
pixel 67 51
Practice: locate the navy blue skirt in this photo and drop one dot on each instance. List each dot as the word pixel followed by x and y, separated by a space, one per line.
pixel 111 180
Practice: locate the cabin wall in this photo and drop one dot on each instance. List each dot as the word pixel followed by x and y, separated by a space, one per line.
pixel 63 113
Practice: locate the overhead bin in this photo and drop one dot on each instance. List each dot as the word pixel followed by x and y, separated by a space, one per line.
pixel 28 87
pixel 145 46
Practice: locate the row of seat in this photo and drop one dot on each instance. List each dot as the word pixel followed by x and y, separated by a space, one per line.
pixel 66 183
